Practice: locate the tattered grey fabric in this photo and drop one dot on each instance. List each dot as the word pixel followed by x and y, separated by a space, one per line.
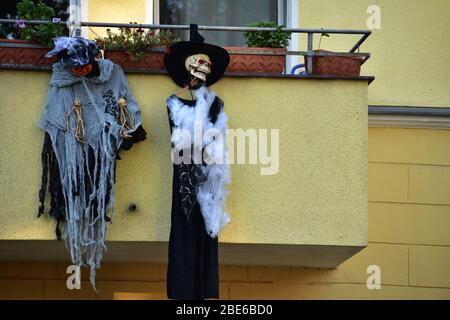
pixel 87 196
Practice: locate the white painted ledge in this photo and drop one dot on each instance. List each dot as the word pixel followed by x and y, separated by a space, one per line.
pixel 409 121
pixel 314 256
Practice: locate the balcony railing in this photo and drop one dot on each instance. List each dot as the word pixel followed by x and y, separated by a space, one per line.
pixel 309 54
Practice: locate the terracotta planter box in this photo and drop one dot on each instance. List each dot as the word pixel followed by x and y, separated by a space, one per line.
pixel 335 65
pixel 23 53
pixel 152 60
pixel 251 63
pixel 241 63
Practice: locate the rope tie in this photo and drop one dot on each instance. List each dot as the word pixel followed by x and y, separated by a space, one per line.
pixel 125 119
pixel 79 131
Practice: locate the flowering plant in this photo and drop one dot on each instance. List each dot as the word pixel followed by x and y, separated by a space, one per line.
pixel 136 40
pixel 42 34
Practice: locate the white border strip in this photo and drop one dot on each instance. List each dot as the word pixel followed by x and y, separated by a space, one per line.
pixel 84 4
pixel 149 11
pixel 293 21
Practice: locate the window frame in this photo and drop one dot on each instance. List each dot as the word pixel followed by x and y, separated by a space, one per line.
pixel 288 16
pixel 284 4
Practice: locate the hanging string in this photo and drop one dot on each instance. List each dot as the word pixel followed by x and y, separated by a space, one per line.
pixel 95 33
pixel 79 131
pixel 193 83
pixel 102 50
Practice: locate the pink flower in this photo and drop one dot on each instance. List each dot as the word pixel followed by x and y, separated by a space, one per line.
pixel 21 24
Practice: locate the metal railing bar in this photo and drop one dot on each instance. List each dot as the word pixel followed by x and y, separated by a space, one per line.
pixel 22 45
pixel 233 51
pixel 297 53
pixel 326 54
pixel 186 27
pixel 310 53
pixel 365 59
pixel 360 42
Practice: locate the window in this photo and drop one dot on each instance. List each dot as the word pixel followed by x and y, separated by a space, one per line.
pixel 8 10
pixel 220 13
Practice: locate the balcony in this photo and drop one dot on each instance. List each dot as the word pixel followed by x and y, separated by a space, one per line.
pixel 312 212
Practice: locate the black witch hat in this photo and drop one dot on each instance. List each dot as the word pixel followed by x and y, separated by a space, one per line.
pixel 175 57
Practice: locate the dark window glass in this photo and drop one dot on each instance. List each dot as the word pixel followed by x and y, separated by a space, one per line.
pixel 217 13
pixel 8 10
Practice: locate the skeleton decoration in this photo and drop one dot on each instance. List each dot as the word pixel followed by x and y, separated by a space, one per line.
pixel 199 66
pixel 199 191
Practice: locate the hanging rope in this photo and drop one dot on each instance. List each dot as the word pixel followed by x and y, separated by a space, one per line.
pixel 79 131
pixel 125 119
pixel 102 50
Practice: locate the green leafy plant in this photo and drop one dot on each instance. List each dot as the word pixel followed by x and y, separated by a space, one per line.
pixel 42 34
pixel 135 41
pixel 270 39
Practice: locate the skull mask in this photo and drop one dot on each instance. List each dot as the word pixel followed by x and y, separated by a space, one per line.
pixel 199 66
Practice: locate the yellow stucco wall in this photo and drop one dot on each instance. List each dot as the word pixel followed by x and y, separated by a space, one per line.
pixel 318 196
pixel 410 54
pixel 118 11
pixel 408 238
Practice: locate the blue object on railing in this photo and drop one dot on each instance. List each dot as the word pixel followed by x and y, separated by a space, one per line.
pixel 298 66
